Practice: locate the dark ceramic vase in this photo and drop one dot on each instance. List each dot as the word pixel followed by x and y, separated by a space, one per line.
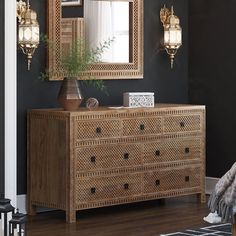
pixel 69 96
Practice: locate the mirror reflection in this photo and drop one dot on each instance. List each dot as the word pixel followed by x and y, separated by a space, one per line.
pixel 106 20
pixel 97 21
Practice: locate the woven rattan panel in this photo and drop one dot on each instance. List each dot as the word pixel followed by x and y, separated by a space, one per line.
pixel 109 156
pixel 172 150
pixel 142 126
pixel 165 180
pixel 97 129
pixel 182 123
pixel 107 187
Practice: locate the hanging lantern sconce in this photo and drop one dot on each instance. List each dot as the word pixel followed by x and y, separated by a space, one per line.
pixel 172 32
pixel 28 30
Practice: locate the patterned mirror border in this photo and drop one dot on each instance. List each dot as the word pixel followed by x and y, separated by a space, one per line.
pixel 132 70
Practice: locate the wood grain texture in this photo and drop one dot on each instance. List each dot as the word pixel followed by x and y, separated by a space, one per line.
pixel 234 227
pixel 47 166
pixel 138 219
pixel 76 160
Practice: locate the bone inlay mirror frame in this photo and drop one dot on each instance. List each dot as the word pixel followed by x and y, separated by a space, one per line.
pixel 130 70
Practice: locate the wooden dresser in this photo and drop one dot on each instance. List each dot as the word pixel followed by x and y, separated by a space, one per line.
pixel 87 159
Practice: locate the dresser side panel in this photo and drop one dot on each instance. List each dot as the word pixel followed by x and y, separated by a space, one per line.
pixel 47 153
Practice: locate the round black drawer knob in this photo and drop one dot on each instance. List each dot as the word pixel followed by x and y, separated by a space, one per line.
pixel 186 178
pixel 187 150
pixel 158 153
pixel 93 190
pixel 157 182
pixel 182 124
pixel 126 186
pixel 142 127
pixel 98 130
pixel 93 159
pixel 126 156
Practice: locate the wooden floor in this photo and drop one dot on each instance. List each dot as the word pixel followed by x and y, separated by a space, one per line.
pixel 139 219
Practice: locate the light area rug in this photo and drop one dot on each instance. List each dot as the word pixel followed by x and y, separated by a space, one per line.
pixel 217 230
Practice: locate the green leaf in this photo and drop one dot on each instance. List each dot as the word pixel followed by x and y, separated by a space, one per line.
pixel 77 59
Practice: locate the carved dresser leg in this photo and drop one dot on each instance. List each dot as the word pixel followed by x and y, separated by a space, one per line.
pixel 71 216
pixel 201 197
pixel 31 209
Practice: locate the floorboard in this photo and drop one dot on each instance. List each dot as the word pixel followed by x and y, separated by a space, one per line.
pixel 140 219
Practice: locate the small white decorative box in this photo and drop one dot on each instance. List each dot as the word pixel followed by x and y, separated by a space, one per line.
pixel 140 99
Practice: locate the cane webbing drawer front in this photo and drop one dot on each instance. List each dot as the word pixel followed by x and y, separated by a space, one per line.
pixel 172 150
pixel 84 159
pixel 109 156
pixel 107 187
pixel 182 123
pixel 97 129
pixel 142 126
pixel 172 179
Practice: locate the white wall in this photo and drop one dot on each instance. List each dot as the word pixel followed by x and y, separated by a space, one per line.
pixel 10 101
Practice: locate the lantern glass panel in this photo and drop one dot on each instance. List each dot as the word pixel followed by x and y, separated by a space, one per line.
pixel 20 34
pixel 166 37
pixel 35 34
pixel 27 33
pixel 172 37
pixel 179 36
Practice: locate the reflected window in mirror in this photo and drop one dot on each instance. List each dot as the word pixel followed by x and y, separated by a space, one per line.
pixel 104 21
pixel 97 21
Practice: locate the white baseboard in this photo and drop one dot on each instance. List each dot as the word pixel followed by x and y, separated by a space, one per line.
pixel 21 199
pixel 21 205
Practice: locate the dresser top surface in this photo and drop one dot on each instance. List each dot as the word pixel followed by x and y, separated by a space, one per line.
pixel 158 106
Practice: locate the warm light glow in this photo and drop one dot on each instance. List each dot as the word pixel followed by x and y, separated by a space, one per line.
pixel 172 37
pixel 172 32
pixel 20 34
pixel 28 33
pixel 35 34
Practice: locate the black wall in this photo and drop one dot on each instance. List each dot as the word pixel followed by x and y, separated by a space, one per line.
pixel 212 77
pixel 1 98
pixel 169 85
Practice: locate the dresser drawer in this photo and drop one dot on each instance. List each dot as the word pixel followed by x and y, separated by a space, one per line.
pixel 172 150
pixel 108 156
pixel 187 123
pixel 142 126
pixel 173 179
pixel 107 187
pixel 97 129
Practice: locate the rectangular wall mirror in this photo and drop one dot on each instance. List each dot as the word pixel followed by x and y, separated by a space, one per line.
pixel 121 20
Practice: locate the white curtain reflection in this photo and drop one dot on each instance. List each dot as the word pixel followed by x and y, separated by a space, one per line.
pixel 108 20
